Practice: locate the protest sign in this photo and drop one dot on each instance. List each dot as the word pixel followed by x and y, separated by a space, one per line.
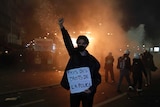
pixel 79 79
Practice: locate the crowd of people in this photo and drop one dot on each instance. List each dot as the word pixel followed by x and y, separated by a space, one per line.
pixel 136 71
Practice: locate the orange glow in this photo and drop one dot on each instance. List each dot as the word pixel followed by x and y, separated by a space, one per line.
pixel 101 20
pixel 74 42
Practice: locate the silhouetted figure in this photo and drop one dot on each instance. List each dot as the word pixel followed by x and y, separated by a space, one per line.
pixel 147 59
pixel 124 65
pixel 109 60
pixel 137 72
pixel 81 75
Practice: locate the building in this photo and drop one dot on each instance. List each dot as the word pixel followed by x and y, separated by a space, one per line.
pixel 11 30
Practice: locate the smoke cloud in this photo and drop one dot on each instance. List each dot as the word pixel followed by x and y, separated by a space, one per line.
pixel 103 18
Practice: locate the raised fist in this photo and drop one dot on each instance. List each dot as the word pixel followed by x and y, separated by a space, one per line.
pixel 61 21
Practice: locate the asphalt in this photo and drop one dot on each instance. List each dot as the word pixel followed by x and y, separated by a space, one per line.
pixel 13 80
pixel 150 97
pixel 18 79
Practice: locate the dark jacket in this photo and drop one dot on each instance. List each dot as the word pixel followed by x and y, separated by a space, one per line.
pixel 77 60
pixel 138 67
pixel 124 62
pixel 147 59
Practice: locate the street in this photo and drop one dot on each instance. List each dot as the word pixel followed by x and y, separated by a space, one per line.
pixel 41 88
pixel 149 98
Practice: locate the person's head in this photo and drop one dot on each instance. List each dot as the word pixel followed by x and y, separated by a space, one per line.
pixel 126 52
pixel 110 53
pixel 146 50
pixel 82 42
pixel 136 56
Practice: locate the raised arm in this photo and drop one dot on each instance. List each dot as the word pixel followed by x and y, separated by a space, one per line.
pixel 66 37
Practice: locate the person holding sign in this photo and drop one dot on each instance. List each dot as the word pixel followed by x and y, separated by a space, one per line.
pixel 81 75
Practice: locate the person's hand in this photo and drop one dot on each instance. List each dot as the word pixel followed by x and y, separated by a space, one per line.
pixel 87 91
pixel 60 22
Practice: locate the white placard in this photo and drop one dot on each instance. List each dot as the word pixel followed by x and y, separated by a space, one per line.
pixel 79 79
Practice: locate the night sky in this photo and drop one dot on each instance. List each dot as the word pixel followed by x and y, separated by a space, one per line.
pixel 145 12
pixel 41 15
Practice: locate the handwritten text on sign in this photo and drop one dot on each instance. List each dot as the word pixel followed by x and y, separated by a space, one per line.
pixel 79 79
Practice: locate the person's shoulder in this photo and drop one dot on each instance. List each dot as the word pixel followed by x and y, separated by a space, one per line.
pixel 121 57
pixel 136 60
pixel 92 57
pixel 108 57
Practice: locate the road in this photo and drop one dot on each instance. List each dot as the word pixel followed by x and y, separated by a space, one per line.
pixel 40 88
pixel 149 98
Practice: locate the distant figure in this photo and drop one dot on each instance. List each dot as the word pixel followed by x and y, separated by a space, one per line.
pixel 147 59
pixel 81 75
pixel 109 67
pixel 124 65
pixel 137 72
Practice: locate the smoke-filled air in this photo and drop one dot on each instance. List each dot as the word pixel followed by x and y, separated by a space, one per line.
pixel 100 20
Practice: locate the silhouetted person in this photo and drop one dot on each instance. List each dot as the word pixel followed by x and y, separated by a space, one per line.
pixel 81 75
pixel 137 72
pixel 124 65
pixel 109 60
pixel 147 59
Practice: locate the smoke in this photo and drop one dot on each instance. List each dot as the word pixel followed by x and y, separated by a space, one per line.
pixel 136 37
pixel 44 14
pixel 103 18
